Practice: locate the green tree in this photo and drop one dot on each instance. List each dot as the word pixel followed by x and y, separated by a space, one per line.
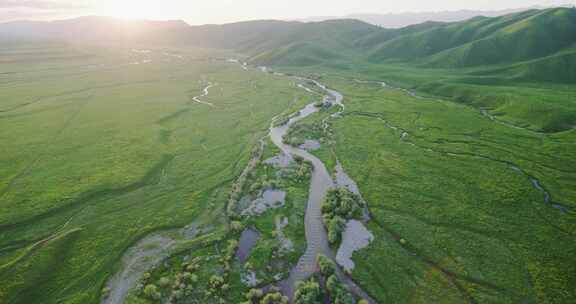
pixel 236 226
pixel 326 265
pixel 338 294
pixel 164 282
pixel 106 292
pixel 254 294
pixel 307 292
pixel 335 228
pixel 151 292
pixel 274 298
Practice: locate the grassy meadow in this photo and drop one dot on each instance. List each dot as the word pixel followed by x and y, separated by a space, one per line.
pixel 455 213
pixel 471 183
pixel 103 145
pixel 267 259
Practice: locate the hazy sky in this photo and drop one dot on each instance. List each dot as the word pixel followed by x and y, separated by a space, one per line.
pixel 221 11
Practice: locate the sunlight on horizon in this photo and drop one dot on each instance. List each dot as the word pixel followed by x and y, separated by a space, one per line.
pixel 136 9
pixel 224 11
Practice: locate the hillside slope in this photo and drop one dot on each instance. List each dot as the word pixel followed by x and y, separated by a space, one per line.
pixel 91 28
pixel 480 41
pixel 538 34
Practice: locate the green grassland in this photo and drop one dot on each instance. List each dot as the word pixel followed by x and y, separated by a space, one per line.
pixel 540 106
pixel 454 222
pixel 465 157
pixel 265 259
pixel 536 105
pixel 98 152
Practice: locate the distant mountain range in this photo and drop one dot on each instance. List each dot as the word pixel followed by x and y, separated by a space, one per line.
pixel 533 45
pixel 406 19
pixel 88 28
pixel 399 20
pixel 529 45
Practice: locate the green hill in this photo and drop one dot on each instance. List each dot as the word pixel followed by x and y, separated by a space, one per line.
pixel 479 42
pixel 310 43
pixel 298 54
pixel 559 68
pixel 439 37
pixel 511 65
pixel 537 34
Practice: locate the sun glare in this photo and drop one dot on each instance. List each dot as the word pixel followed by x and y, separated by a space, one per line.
pixel 136 9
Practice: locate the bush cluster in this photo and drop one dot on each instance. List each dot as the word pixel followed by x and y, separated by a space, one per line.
pixel 301 131
pixel 256 296
pixel 299 173
pixel 338 294
pixel 340 205
pixel 326 265
pixel 307 292
pixel 336 291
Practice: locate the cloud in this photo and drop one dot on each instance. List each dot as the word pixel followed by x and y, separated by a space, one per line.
pixel 42 4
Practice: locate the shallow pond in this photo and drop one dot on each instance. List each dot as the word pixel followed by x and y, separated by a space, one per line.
pixel 279 161
pixel 269 199
pixel 310 145
pixel 248 240
pixel 355 237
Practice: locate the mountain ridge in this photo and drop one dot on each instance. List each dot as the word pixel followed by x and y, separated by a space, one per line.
pixel 399 20
pixel 501 42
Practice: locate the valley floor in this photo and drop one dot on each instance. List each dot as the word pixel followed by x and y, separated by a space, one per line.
pixel 464 208
pixel 152 166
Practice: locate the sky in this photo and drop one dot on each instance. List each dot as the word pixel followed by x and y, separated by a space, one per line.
pixel 224 11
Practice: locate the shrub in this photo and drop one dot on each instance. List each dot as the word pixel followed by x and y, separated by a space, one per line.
pixel 343 297
pixel 274 298
pixel 327 268
pixel 215 281
pixel 192 267
pixel 307 292
pixel 236 226
pixel 151 292
pixel 106 292
pixel 231 248
pixel 178 294
pixel 339 206
pixel 255 187
pixel 254 294
pixel 164 282
pixel 332 283
pixel 335 228
pixel 338 294
pixel 146 276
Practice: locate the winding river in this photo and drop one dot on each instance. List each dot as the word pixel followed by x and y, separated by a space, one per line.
pixel 154 248
pixel 205 93
pixel 321 182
